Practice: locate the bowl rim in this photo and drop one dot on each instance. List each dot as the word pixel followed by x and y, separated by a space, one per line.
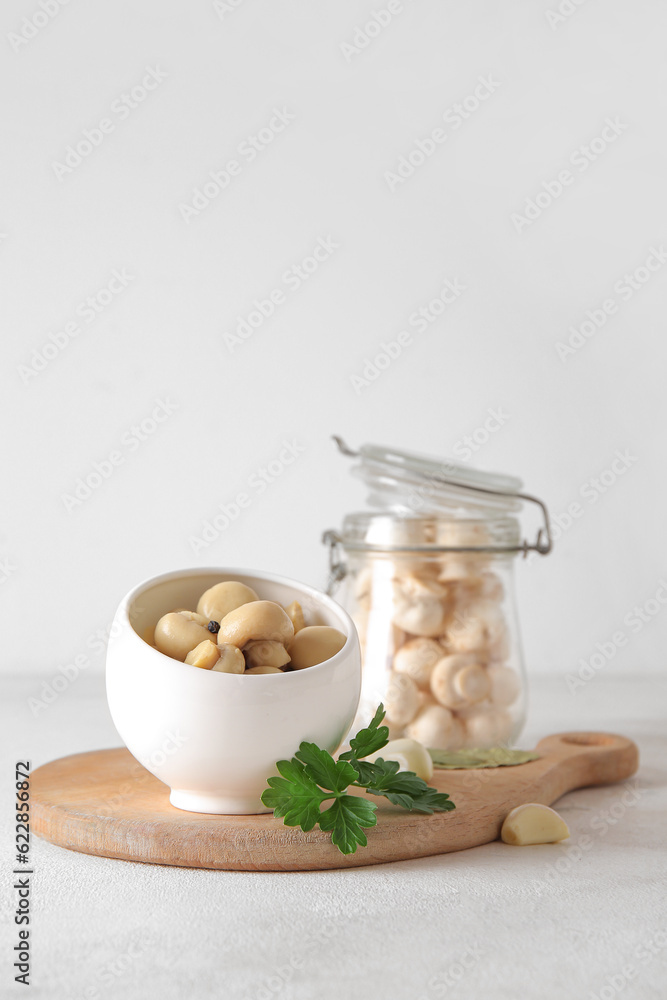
pixel 351 641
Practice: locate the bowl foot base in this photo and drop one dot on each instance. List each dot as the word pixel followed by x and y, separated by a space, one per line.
pixel 222 805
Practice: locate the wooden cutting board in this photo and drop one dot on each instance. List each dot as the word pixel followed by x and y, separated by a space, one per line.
pixel 106 803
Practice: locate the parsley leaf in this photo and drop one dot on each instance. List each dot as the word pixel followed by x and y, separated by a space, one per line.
pixel 345 818
pixel 295 796
pixel 369 740
pixel 405 789
pixel 327 772
pixel 312 777
pixel 366 772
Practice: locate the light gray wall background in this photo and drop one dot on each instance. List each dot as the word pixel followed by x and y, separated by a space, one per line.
pixel 570 87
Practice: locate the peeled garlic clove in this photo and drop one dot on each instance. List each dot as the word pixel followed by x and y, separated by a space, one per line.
pixel 533 823
pixel 397 758
pixel 205 655
pixel 315 644
pixel 417 658
pixel 263 670
pixel 265 652
pixel 231 659
pixel 410 755
pixel 219 600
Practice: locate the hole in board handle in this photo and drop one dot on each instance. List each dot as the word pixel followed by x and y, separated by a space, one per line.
pixel 589 739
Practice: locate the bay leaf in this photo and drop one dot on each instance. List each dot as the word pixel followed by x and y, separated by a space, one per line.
pixel 472 759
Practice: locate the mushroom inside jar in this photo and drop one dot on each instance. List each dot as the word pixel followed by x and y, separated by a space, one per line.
pixel 440 624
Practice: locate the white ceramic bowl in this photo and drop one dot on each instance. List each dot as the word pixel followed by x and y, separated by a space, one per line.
pixel 214 738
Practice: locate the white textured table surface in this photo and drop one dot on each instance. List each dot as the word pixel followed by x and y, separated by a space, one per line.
pixel 584 919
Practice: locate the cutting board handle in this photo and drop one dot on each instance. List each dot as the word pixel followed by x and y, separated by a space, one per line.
pixel 592 758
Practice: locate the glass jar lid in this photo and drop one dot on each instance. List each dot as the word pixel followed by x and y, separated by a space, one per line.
pixel 407 485
pixel 407 482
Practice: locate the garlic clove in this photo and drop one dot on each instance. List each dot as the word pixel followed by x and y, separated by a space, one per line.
pixel 533 823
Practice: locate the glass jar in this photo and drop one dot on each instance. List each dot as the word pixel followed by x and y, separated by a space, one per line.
pixel 427 575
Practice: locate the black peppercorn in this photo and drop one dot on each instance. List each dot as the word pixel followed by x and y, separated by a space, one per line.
pixel 214 627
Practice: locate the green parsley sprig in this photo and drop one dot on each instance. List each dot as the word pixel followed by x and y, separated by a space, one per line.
pixel 312 777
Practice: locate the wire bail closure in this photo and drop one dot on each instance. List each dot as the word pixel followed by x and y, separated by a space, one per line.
pixel 337 567
pixel 543 543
